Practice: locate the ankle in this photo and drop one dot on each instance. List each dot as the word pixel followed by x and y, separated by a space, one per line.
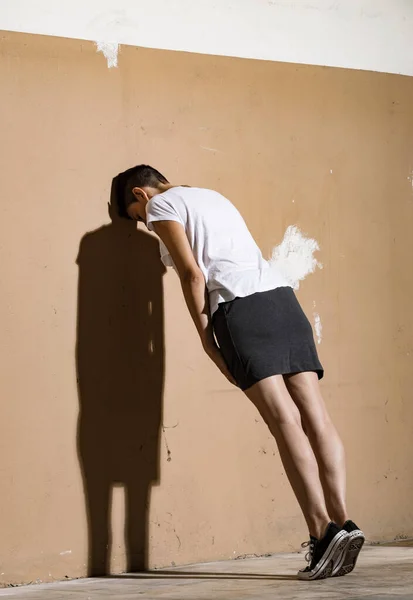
pixel 318 527
pixel 340 518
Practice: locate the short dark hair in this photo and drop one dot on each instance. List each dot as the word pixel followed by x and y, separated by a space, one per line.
pixel 139 176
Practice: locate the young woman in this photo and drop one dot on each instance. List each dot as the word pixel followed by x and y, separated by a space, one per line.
pixel 252 327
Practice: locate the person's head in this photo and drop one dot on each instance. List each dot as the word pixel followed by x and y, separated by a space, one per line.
pixel 140 184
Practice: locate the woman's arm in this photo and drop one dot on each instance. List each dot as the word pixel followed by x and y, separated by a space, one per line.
pixel 193 286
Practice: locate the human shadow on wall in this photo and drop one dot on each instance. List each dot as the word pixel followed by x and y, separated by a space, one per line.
pixel 120 373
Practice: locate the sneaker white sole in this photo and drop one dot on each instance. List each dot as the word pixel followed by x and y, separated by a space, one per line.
pixel 351 553
pixel 324 568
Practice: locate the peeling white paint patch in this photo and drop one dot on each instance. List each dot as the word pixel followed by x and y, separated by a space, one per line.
pixel 65 552
pixel 210 149
pixel 318 327
pixel 410 178
pixel 294 257
pixel 110 50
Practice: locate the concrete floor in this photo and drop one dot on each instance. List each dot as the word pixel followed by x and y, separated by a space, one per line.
pixel 383 573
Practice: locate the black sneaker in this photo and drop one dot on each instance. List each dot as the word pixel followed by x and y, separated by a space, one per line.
pixel 324 554
pixel 355 543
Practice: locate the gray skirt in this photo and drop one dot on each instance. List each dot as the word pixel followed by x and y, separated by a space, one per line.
pixel 265 334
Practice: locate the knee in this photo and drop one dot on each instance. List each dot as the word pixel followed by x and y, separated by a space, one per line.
pixel 316 422
pixel 319 428
pixel 289 417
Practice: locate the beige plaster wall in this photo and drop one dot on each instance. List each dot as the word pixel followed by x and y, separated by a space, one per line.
pixel 120 445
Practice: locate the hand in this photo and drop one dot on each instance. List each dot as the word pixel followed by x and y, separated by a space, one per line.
pixel 215 355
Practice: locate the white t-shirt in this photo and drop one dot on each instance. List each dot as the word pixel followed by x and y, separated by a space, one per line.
pixel 223 247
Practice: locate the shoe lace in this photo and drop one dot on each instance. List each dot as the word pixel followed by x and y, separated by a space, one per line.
pixel 310 544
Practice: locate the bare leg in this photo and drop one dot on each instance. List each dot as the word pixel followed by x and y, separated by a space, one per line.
pixel 278 410
pixel 324 439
